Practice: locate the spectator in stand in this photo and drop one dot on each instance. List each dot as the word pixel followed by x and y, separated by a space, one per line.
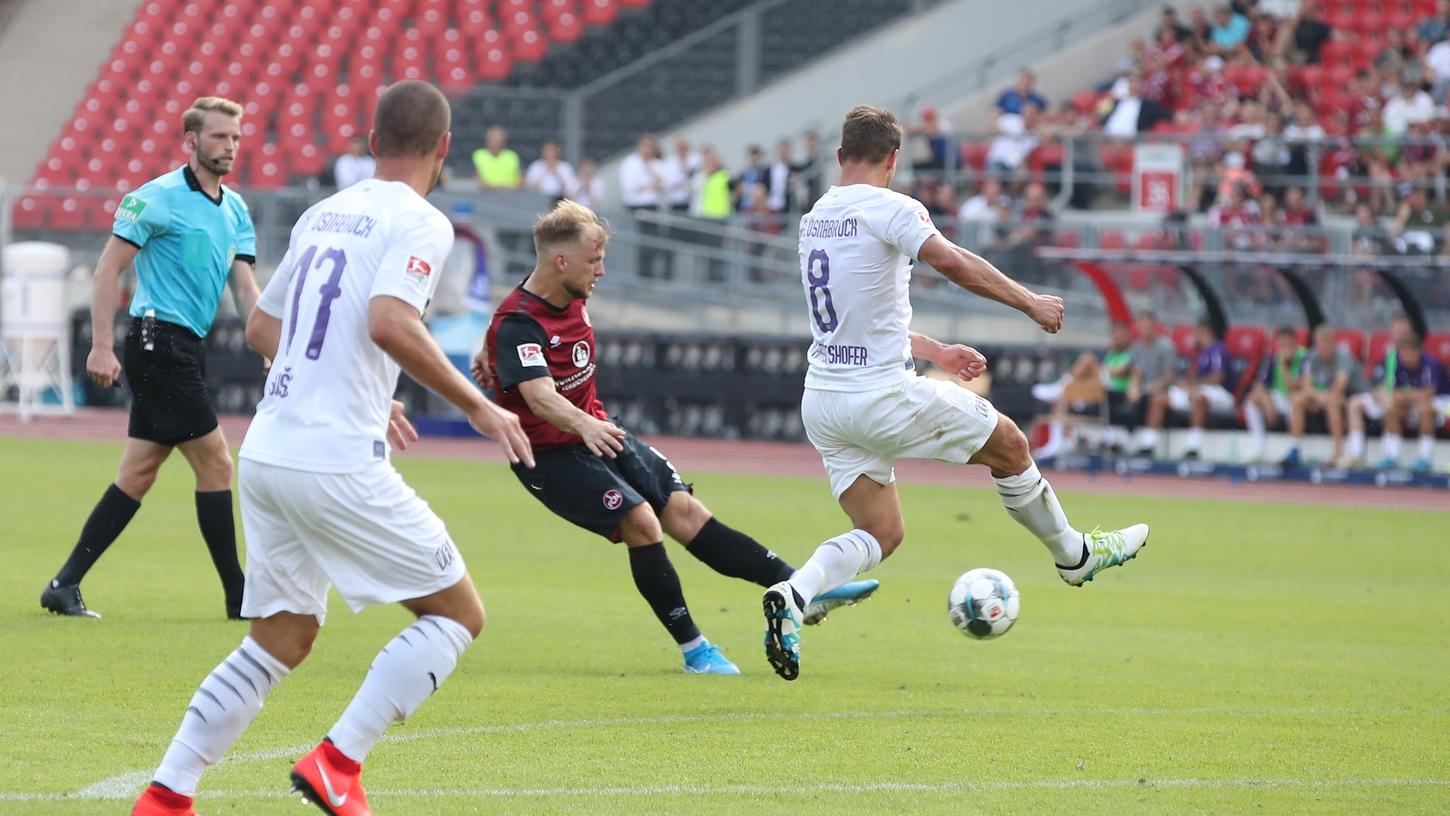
pixel 1368 237
pixel 1399 56
pixel 1306 33
pixel 1408 104
pixel 1230 30
pixel 1301 218
pixel 753 182
pixel 1279 9
pixel 1155 366
pixel 1030 228
pixel 778 199
pixel 1263 40
pixel 549 174
pixel 1162 63
pixel 712 202
pixel 355 165
pixel 1015 141
pixel 1435 28
pixel 979 212
pixel 1113 373
pixel 929 139
pixel 1200 29
pixel 1168 19
pixel 1329 378
pixel 588 189
pixel 1418 223
pixel 1198 392
pixel 496 164
pixel 808 171
pixel 1271 153
pixel 680 168
pixel 1437 67
pixel 1273 390
pixel 1237 213
pixel 1302 130
pixel 642 190
pixel 1363 102
pixel 1132 114
pixel 1020 96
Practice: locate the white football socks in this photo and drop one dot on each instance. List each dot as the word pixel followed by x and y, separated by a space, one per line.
pixel 1254 421
pixel 1427 447
pixel 222 708
pixel 1391 445
pixel 836 562
pixel 1354 444
pixel 1195 439
pixel 409 669
pixel 1030 500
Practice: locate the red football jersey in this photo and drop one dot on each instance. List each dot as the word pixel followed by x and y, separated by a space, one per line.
pixel 530 337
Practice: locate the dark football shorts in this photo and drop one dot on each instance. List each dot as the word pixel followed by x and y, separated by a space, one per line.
pixel 165 367
pixel 595 492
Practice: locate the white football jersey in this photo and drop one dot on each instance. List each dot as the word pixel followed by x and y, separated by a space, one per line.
pixel 327 400
pixel 856 248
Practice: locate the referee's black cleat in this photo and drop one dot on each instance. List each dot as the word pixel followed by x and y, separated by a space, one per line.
pixel 66 600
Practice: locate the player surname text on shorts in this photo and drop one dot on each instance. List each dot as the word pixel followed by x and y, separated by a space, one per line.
pixel 841 355
pixel 829 227
pixel 351 223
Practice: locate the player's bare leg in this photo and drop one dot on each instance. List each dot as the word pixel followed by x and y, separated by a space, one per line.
pixel 404 674
pixel 211 460
pixel 659 585
pixel 1259 413
pixel 1333 404
pixel 1197 421
pixel 878 529
pixel 1032 503
pixel 140 461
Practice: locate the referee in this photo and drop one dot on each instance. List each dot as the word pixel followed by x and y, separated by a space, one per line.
pixel 186 233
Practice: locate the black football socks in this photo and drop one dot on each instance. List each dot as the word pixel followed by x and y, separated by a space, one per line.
pixel 733 553
pixel 658 582
pixel 219 530
pixel 109 517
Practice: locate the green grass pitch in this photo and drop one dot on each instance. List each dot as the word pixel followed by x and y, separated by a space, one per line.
pixel 1257 658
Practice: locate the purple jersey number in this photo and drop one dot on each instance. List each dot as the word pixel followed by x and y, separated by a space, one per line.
pixel 826 320
pixel 331 290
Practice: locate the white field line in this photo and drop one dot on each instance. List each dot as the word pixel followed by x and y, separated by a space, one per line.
pixel 794 790
pixel 126 785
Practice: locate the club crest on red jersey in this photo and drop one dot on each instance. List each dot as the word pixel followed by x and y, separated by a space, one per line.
pixel 613 499
pixel 581 354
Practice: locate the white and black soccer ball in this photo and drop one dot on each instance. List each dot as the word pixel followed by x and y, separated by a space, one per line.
pixel 984 603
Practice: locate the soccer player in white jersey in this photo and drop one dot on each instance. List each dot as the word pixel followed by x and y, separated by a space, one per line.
pixel 321 503
pixel 864 406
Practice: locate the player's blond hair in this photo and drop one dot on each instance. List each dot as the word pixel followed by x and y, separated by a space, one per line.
pixel 192 119
pixel 869 134
pixel 566 224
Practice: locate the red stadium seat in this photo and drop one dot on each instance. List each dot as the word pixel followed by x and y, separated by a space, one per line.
pixel 1112 239
pixel 1437 345
pixel 68 216
pixel 1353 339
pixel 566 28
pixel 1184 340
pixel 530 45
pixel 494 65
pixel 30 212
pixel 974 154
pixel 600 12
pixel 1247 342
pixel 306 159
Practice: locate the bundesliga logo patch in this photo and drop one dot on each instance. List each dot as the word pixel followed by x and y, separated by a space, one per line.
pixel 531 354
pixel 419 267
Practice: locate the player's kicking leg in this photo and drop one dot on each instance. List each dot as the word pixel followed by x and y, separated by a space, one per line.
pixel 1032 503
pixel 659 585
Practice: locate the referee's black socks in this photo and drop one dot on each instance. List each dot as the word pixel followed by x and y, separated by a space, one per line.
pixel 219 530
pixel 109 517
pixel 733 553
pixel 657 581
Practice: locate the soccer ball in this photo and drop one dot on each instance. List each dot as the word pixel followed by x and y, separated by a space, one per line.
pixel 984 603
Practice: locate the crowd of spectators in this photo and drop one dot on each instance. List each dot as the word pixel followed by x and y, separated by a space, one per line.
pixel 1282 106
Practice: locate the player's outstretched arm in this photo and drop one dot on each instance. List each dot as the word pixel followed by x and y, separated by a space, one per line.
pixel 975 274
pixel 398 329
pixel 101 364
pixel 963 361
pixel 601 437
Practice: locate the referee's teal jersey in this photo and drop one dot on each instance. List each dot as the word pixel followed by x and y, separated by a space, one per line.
pixel 187 242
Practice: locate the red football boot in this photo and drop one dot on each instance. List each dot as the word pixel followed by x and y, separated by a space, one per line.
pixel 158 801
pixel 329 779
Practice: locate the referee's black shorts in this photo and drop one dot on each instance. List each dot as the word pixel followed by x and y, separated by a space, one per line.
pixel 166 372
pixel 596 492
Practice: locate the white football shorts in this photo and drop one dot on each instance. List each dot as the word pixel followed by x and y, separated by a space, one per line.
pixel 1219 399
pixel 367 533
pixel 864 433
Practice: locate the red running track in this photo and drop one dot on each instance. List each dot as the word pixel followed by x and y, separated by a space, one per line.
pixel 799 459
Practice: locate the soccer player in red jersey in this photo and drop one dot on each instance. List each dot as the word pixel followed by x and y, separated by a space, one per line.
pixel 539 357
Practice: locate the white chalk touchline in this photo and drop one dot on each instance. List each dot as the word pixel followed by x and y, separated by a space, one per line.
pixel 827 787
pixel 125 785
